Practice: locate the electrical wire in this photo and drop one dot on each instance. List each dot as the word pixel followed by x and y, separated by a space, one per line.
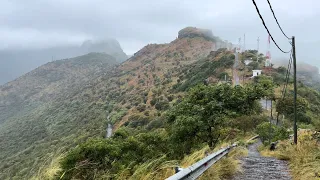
pixel 287 77
pixel 265 26
pixel 277 20
pixel 284 90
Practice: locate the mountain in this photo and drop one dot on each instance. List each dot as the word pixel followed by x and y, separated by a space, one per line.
pixel 14 63
pixel 61 104
pixel 34 111
pixel 110 46
pixel 306 73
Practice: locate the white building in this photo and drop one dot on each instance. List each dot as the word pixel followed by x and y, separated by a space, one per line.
pixel 256 73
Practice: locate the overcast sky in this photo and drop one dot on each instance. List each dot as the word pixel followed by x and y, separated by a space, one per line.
pixel 135 23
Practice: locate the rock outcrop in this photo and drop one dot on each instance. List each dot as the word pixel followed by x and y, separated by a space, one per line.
pixel 195 32
pixel 108 46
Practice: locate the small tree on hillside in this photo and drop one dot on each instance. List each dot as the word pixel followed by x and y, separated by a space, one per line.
pixel 202 115
pixel 286 107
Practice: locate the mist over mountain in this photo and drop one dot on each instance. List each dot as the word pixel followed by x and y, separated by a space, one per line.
pixel 14 63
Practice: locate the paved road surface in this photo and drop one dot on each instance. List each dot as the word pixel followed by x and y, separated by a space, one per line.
pixel 109 128
pixel 265 105
pixel 109 131
pixel 256 167
pixel 236 78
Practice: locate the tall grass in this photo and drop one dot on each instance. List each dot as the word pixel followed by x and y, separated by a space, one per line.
pixel 226 167
pixel 194 157
pixel 50 167
pixel 304 158
pixel 152 170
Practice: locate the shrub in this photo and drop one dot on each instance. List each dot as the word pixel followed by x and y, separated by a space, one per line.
pixel 254 65
pixel 141 107
pixel 153 101
pixel 162 105
pixel 155 124
pixel 146 113
pixel 170 97
pixel 270 132
pixel 248 123
pixel 93 158
pixel 138 120
pixel 141 81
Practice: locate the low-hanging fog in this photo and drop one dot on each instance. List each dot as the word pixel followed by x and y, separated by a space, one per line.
pixel 35 32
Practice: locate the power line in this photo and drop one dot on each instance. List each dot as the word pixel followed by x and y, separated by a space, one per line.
pixel 284 90
pixel 277 19
pixel 265 26
pixel 287 77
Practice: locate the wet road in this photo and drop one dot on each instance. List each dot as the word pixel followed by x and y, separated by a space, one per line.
pixel 255 167
pixel 109 128
pixel 265 104
pixel 235 72
pixel 109 131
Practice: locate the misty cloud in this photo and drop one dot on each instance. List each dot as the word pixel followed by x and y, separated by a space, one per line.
pixel 46 23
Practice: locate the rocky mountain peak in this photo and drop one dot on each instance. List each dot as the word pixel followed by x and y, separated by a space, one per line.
pixel 195 32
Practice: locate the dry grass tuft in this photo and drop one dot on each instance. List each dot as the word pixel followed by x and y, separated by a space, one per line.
pixel 153 170
pixel 304 159
pixel 194 157
pixel 227 166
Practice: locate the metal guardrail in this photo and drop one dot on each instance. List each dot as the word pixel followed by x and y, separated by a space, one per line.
pixel 195 170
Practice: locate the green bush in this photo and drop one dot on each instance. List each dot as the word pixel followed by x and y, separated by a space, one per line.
pixel 248 123
pixel 153 101
pixel 270 132
pixel 138 120
pixel 116 116
pixel 254 65
pixel 162 105
pixel 141 107
pixel 155 124
pixel 100 156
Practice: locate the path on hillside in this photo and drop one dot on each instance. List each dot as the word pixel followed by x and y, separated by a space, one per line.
pixel 266 104
pixel 236 78
pixel 255 166
pixel 109 128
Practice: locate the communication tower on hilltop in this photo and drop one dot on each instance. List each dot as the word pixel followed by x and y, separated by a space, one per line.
pixel 268 55
pixel 238 49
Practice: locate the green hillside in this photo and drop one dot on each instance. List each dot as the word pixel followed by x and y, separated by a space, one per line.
pixel 165 103
pixel 44 111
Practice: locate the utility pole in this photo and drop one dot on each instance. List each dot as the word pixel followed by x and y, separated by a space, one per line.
pixel 295 90
pixel 271 108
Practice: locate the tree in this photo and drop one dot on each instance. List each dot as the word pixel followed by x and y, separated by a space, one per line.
pixel 281 70
pixel 248 123
pixel 271 132
pixel 201 116
pixel 267 84
pixel 254 65
pixel 286 107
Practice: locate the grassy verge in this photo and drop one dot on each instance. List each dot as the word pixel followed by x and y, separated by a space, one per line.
pixel 224 168
pixel 227 166
pixel 303 159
